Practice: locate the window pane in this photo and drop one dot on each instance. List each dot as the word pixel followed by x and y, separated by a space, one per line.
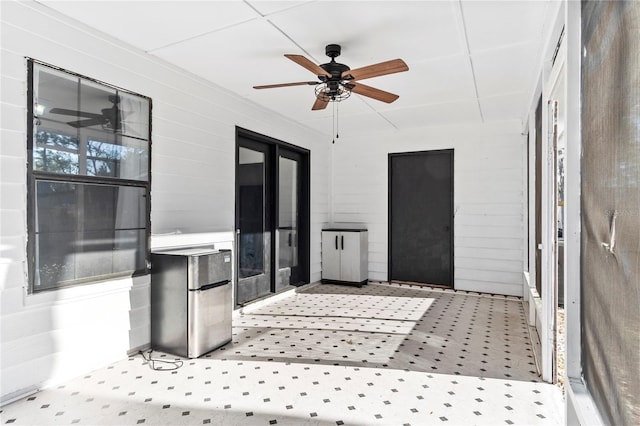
pixel 55 99
pixel 117 156
pixel 85 230
pixel 55 153
pixel 87 128
pixel 288 212
pixel 135 116
pixel 251 187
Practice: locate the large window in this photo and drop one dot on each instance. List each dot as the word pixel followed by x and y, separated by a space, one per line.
pixel 89 161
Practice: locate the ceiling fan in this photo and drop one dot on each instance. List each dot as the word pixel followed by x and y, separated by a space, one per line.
pixel 336 81
pixel 109 119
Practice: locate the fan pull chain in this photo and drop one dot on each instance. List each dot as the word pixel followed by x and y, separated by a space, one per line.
pixel 335 121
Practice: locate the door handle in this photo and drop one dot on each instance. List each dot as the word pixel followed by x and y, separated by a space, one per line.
pixel 289 239
pixel 336 242
pixel 342 241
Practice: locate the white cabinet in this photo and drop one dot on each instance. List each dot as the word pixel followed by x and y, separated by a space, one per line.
pixel 345 256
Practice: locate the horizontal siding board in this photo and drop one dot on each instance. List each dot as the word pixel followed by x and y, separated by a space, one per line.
pixel 166 149
pixel 497 277
pixel 488 231
pixel 485 253
pixel 13 143
pixel 13 274
pixel 13 116
pixel 27 376
pixel 513 243
pixel 490 174
pixel 491 197
pixel 488 287
pixel 489 264
pixel 468 186
pixel 486 220
pixel 12 196
pixel 13 170
pixel 13 63
pixel 13 93
pixel 502 209
pixel 13 244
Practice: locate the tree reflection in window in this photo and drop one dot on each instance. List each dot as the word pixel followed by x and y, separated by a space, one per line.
pixel 59 153
pixel 103 159
pixel 56 153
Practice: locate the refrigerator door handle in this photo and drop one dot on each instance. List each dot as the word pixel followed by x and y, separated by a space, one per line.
pixel 212 285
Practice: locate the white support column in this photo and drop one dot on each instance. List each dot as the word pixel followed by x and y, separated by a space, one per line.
pixel 573 194
pixel 553 107
pixel 548 270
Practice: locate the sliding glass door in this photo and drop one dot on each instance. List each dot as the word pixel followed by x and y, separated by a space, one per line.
pixel 272 216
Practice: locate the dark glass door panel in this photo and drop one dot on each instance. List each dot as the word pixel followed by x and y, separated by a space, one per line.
pixel 253 236
pixel 288 219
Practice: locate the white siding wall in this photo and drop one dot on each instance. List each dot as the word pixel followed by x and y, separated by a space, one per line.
pixel 488 197
pixel 52 336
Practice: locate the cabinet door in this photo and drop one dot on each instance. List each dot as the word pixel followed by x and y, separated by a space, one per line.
pixel 330 255
pixel 350 256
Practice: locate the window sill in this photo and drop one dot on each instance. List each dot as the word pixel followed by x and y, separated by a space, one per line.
pixel 86 291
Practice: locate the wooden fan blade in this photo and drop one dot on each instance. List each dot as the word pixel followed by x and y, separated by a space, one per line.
pixel 85 123
pixel 306 63
pixel 373 93
pixel 375 70
pixel 319 104
pixel 300 83
pixel 74 112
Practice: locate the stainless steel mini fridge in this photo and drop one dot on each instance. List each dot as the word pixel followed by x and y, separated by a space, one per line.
pixel 191 304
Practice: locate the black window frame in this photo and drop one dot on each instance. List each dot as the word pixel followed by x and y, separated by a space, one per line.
pixel 35 176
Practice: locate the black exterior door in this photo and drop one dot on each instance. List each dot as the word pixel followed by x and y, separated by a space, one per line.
pixel 272 216
pixel 421 217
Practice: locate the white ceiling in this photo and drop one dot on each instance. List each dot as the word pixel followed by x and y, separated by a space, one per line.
pixel 469 61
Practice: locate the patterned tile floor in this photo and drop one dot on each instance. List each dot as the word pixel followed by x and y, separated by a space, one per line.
pixel 329 355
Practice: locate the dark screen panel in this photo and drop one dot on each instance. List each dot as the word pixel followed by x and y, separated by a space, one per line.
pixel 85 231
pixel 421 217
pixel 611 208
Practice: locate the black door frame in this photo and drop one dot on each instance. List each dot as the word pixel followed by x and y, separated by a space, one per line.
pixel 389 206
pixel 271 164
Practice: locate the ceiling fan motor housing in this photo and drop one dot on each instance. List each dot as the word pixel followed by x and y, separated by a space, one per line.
pixel 334 68
pixel 333 50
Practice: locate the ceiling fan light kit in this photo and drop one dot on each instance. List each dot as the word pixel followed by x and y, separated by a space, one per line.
pixel 336 81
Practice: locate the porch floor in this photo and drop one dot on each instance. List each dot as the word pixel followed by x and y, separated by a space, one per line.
pixel 330 355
